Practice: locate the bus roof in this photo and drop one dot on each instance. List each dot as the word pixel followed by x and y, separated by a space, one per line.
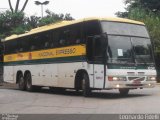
pixel 65 23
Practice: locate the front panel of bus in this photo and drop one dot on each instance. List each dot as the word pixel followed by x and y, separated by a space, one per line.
pixel 129 61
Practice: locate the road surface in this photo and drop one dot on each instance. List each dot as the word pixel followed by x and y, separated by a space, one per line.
pixel 44 101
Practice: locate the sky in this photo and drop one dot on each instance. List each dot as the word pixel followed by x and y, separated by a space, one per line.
pixel 77 8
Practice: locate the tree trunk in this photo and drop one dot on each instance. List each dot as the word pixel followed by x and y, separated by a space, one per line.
pixel 24 5
pixel 17 5
pixel 10 5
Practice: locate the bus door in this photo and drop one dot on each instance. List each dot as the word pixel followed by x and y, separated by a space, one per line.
pixel 95 57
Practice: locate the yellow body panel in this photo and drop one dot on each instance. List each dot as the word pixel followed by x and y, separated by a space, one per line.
pixel 70 51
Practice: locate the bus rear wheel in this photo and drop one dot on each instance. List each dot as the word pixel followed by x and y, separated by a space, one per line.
pixel 21 82
pixel 123 91
pixel 28 80
pixel 85 86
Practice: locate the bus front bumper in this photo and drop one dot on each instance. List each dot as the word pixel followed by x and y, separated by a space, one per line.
pixel 130 85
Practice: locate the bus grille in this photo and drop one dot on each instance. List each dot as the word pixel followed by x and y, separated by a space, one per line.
pixel 136 78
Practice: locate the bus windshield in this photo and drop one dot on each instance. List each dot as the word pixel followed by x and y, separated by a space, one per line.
pixel 126 29
pixel 142 50
pixel 127 43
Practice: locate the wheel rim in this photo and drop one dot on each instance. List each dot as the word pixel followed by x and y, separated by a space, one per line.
pixel 28 81
pixel 83 84
pixel 21 82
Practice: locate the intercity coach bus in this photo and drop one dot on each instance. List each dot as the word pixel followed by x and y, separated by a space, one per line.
pixel 88 54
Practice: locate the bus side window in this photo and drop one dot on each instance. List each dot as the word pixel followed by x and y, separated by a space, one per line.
pixel 11 47
pixel 55 38
pixel 75 35
pixel 46 45
pixel 92 28
pixel 32 42
pixel 26 44
pixel 44 40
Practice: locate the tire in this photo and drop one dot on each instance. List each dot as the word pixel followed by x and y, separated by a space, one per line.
pixel 28 80
pixel 21 82
pixel 123 91
pixel 85 86
pixel 51 89
pixel 37 88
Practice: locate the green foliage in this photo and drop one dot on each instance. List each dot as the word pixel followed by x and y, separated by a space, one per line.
pixel 52 17
pixel 8 22
pixel 17 23
pixel 148 5
pixel 32 21
pixel 152 22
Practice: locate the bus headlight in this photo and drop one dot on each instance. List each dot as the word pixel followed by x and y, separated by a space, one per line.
pixel 116 78
pixel 151 78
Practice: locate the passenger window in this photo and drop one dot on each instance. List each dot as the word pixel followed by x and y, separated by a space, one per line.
pixel 75 34
pixel 11 46
pixel 55 34
pixel 92 28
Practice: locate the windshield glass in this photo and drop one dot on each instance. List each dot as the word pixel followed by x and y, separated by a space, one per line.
pixel 119 49
pixel 127 43
pixel 116 28
pixel 142 50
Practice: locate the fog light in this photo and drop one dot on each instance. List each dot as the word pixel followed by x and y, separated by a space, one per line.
pixel 117 85
pixel 115 78
pixel 153 78
pixel 149 85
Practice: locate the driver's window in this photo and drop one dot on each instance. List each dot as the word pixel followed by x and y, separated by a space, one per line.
pixel 90 49
pixel 98 47
pixel 94 49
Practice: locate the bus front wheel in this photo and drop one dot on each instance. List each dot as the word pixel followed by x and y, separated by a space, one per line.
pixel 85 86
pixel 21 82
pixel 123 91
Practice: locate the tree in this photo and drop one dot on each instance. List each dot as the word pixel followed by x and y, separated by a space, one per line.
pixel 17 23
pixel 147 5
pixel 12 23
pixel 52 17
pixel 17 6
pixel 33 21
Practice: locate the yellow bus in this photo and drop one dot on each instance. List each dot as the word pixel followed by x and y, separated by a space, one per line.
pixel 87 54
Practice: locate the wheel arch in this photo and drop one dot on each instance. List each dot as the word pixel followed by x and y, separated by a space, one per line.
pixel 26 72
pixel 18 73
pixel 79 77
